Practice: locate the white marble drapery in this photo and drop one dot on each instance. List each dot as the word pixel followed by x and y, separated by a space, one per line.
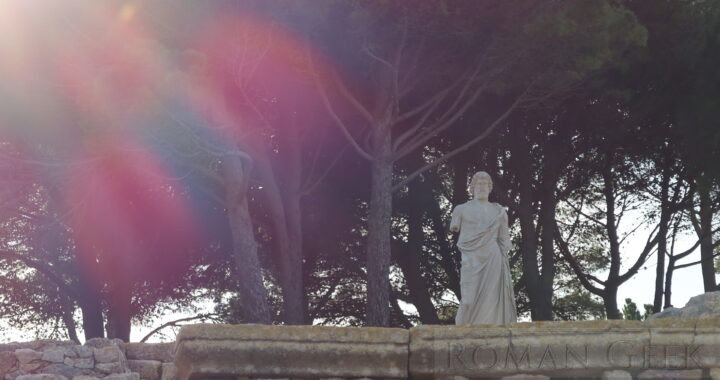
pixel 485 281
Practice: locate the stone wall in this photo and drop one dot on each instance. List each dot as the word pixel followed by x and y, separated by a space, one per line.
pixel 658 349
pixel 96 359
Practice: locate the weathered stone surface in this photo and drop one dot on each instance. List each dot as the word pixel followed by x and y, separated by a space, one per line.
pixel 42 376
pixel 168 372
pixel 616 375
pixel 83 351
pixel 32 366
pixel 80 362
pixel 162 352
pixel 524 376
pixel 706 305
pixel 14 374
pixel 584 348
pixel 8 363
pixel 108 354
pixel 85 378
pixel 109 368
pixel 147 369
pixel 67 371
pixel 715 373
pixel 123 376
pixel 670 374
pixel 26 355
pixel 295 351
pixel 54 356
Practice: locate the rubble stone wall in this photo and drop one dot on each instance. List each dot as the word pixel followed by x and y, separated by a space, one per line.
pixel 108 359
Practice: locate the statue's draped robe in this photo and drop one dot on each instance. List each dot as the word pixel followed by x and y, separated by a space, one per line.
pixel 485 282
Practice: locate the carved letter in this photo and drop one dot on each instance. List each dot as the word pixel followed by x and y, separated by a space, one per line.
pixel 511 355
pixel 610 355
pixel 691 355
pixel 549 354
pixel 569 353
pixel 476 357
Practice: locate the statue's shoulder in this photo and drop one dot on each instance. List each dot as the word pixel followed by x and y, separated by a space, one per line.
pixel 499 207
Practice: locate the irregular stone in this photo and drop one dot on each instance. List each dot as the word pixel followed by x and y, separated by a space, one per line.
pixel 85 378
pixel 616 375
pixel 98 342
pixel 170 373
pixel 67 371
pixel 80 362
pixel 8 362
pixel 108 368
pixel 32 366
pixel 524 376
pixel 26 355
pixel 42 376
pixel 669 374
pixel 123 376
pixel 108 354
pixel 83 351
pixel 147 369
pixel 54 356
pixel 150 351
pixel 14 374
pixel 208 350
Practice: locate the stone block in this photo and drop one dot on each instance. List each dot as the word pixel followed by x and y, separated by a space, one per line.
pixel 123 376
pixel 42 376
pixel 54 356
pixel 85 378
pixel 170 373
pixel 616 375
pixel 80 362
pixel 108 354
pixel 26 355
pixel 715 373
pixel 207 350
pixel 32 366
pixel 67 371
pixel 14 374
pixel 83 351
pixel 147 369
pixel 670 374
pixel 524 376
pixel 109 368
pixel 8 362
pixel 162 352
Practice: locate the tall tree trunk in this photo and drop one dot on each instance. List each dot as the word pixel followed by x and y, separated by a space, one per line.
pixel 448 260
pixel 663 235
pixel 610 301
pixel 289 263
pixel 92 317
pixel 379 224
pixel 707 263
pixel 668 282
pixel 409 258
pixel 529 244
pixel 68 309
pixel 236 170
pixel 119 313
pixel 543 310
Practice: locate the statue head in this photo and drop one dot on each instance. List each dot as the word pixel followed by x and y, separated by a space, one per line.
pixel 480 185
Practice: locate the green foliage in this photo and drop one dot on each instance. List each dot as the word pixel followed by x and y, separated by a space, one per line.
pixel 630 311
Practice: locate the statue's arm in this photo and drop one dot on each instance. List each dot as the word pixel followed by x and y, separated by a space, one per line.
pixel 456 219
pixel 504 233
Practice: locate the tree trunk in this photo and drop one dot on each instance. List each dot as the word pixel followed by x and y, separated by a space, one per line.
pixel 92 317
pixel 236 170
pixel 119 314
pixel 379 224
pixel 663 234
pixel 68 309
pixel 543 310
pixel 610 301
pixel 707 263
pixel 668 282
pixel 289 262
pixel 409 259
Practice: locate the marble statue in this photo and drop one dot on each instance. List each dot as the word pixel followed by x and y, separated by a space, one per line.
pixel 485 283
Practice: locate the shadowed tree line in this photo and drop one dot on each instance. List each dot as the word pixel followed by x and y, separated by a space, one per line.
pixel 296 162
